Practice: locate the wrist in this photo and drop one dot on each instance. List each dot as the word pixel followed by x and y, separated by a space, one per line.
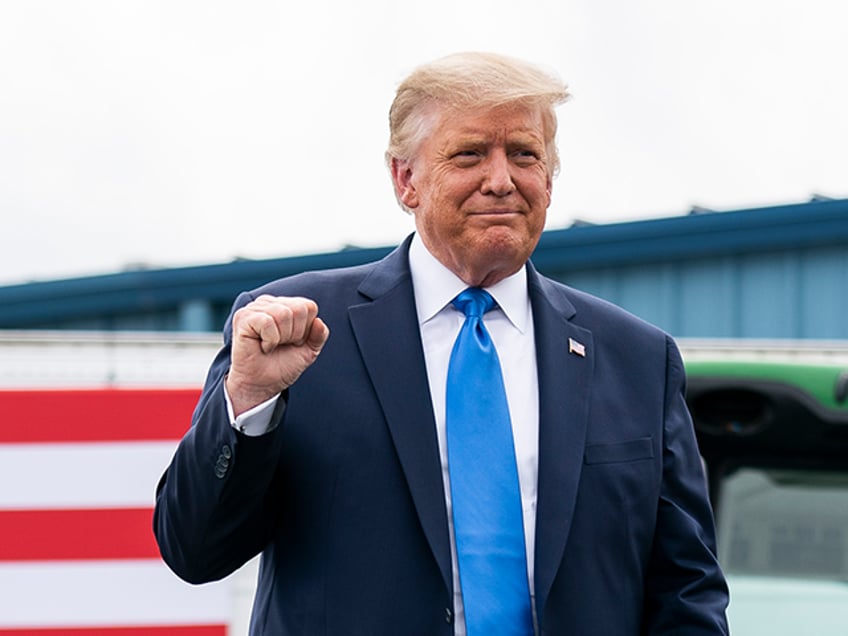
pixel 245 396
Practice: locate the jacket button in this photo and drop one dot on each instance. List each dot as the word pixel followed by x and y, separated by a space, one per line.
pixel 448 615
pixel 222 464
pixel 226 451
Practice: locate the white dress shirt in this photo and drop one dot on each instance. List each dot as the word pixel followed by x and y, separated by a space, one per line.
pixel 511 326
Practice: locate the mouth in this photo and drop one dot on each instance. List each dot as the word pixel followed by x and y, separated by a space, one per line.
pixel 496 212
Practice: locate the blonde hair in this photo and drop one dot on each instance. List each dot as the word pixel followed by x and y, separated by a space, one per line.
pixel 471 80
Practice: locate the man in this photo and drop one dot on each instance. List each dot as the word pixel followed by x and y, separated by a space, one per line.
pixel 326 436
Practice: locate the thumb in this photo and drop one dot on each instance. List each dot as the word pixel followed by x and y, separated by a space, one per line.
pixel 318 335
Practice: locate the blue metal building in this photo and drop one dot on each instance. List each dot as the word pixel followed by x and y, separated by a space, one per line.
pixel 775 272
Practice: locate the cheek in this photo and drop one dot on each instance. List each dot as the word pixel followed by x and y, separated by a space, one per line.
pixel 455 185
pixel 538 192
pixel 432 220
pixel 441 208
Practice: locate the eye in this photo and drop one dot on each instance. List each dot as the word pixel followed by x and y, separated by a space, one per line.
pixel 525 157
pixel 466 157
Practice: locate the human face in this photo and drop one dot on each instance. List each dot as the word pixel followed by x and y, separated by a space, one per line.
pixel 479 188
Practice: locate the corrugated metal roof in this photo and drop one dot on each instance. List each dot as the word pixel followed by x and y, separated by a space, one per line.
pixel 568 254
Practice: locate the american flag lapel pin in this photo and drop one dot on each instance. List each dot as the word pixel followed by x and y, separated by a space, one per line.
pixel 576 347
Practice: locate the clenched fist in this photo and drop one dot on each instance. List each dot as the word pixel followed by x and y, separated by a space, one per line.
pixel 274 340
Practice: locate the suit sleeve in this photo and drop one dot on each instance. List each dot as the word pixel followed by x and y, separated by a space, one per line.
pixel 212 510
pixel 685 591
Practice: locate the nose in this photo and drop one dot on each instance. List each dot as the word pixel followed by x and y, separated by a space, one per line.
pixel 498 177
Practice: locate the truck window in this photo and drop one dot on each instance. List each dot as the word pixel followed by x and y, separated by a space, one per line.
pixel 783 543
pixel 774 437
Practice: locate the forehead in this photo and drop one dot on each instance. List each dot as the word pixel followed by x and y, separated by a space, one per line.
pixel 488 122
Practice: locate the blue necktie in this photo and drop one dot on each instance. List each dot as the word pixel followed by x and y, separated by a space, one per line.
pixel 487 513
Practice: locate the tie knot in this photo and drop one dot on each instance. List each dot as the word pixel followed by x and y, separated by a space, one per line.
pixel 474 302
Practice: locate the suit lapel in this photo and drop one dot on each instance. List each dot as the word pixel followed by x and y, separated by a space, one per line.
pixel 386 331
pixel 564 386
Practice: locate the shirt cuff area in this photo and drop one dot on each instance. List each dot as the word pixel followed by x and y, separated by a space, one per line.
pixel 255 421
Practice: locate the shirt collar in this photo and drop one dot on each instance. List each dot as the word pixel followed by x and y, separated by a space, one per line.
pixel 436 286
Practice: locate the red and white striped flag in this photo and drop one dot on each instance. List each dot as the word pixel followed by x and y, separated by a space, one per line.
pixel 78 471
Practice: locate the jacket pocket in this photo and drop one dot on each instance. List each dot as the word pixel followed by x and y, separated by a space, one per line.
pixel 628 451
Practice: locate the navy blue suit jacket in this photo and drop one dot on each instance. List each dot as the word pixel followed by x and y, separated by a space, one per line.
pixel 344 498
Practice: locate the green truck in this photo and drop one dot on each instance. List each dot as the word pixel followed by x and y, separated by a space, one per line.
pixel 774 440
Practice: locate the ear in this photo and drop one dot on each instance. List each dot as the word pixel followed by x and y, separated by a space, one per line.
pixel 403 182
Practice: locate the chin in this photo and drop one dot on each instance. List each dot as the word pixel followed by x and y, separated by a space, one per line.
pixel 495 261
pixel 505 243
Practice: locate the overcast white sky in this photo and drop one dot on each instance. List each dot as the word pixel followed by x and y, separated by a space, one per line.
pixel 195 131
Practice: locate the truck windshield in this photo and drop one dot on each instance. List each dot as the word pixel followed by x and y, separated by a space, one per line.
pixel 783 543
